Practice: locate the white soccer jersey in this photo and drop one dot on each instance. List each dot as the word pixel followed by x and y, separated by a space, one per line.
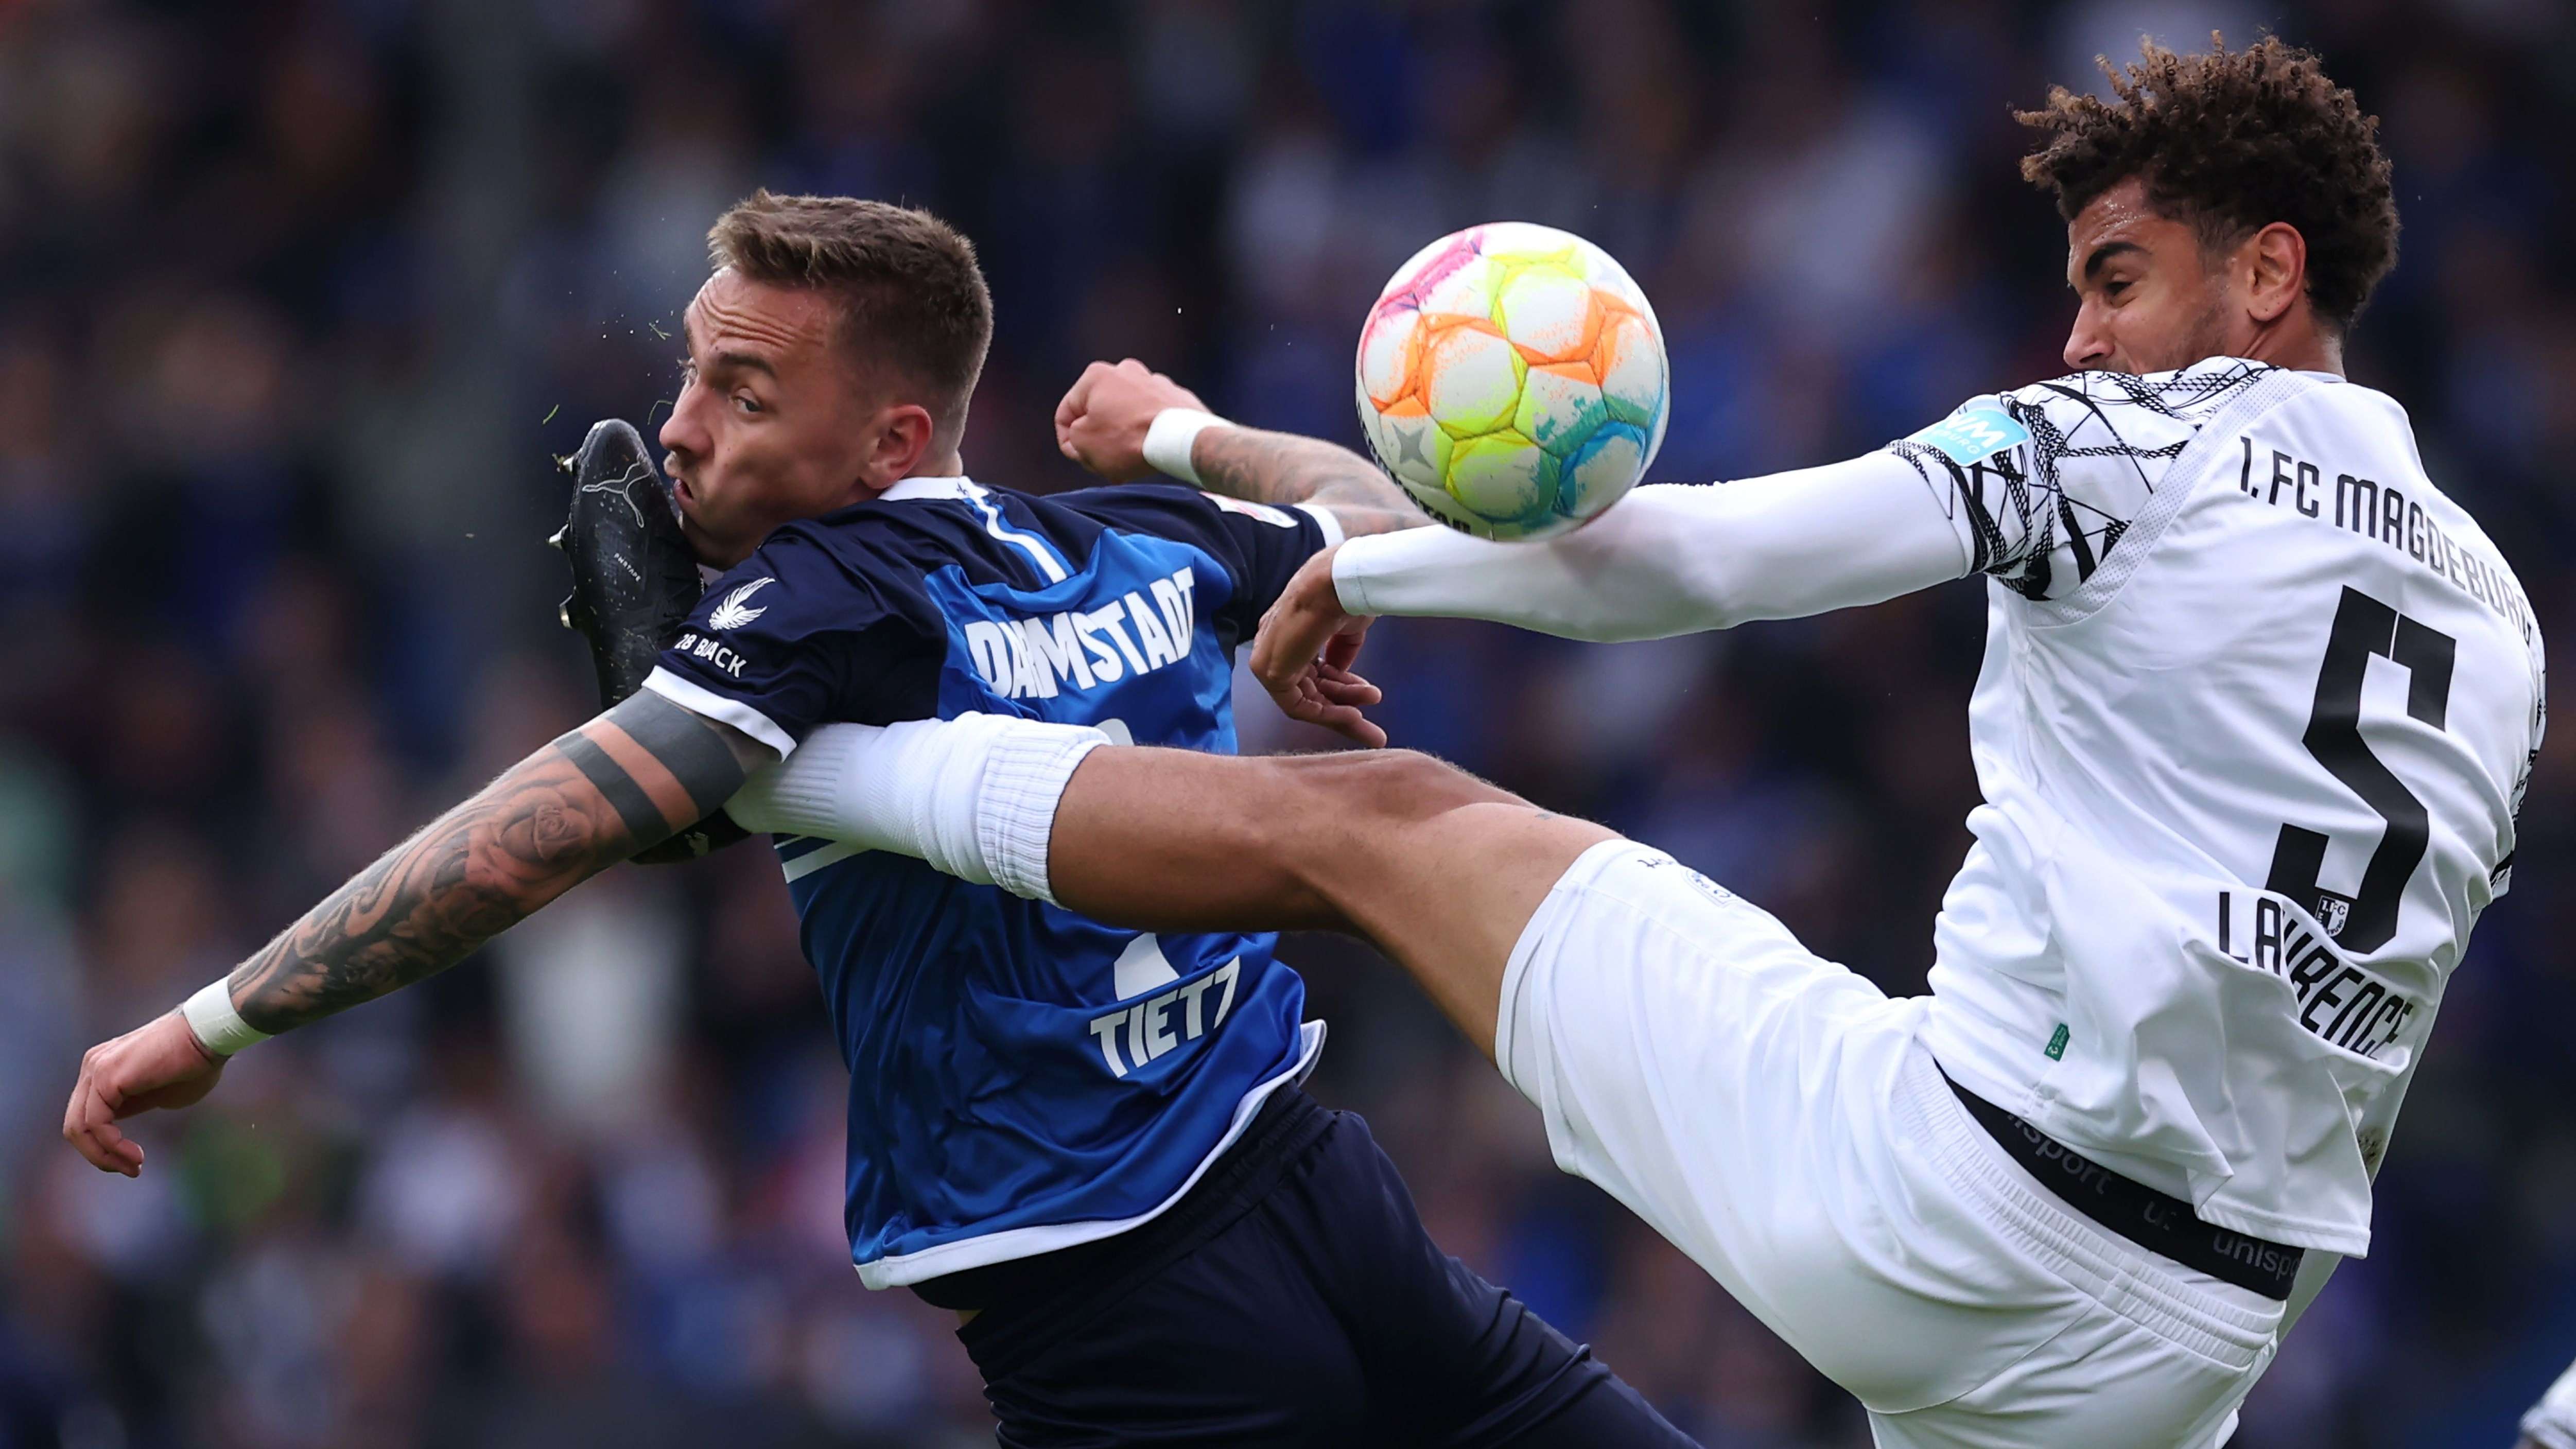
pixel 2257 705
pixel 2256 712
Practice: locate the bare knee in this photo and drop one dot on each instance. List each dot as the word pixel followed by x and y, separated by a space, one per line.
pixel 1440 869
pixel 1351 824
pixel 1386 788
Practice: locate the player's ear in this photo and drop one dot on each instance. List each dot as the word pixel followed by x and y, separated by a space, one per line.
pixel 2276 259
pixel 903 437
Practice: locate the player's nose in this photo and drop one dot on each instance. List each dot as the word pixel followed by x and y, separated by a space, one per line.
pixel 2087 346
pixel 681 433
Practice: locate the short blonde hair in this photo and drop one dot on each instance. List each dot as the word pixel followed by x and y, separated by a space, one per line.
pixel 911 297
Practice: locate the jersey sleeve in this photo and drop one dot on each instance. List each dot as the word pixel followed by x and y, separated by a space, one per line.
pixel 1676 558
pixel 1260 546
pixel 2041 483
pixel 785 642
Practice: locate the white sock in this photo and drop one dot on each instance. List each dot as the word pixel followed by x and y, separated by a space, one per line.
pixel 974 796
pixel 1024 775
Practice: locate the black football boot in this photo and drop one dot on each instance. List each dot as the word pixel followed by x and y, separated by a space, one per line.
pixel 634 582
pixel 633 577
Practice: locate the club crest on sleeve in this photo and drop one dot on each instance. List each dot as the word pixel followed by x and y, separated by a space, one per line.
pixel 731 612
pixel 1974 433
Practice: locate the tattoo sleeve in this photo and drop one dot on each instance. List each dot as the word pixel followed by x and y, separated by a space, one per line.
pixel 627 780
pixel 1284 469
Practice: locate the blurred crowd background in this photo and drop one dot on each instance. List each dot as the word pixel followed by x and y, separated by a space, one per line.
pixel 296 299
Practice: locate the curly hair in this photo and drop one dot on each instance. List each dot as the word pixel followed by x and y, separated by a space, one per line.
pixel 2232 142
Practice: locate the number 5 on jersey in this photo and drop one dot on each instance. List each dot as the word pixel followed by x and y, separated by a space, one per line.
pixel 2363 626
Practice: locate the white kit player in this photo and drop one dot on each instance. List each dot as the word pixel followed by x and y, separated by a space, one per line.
pixel 2257 707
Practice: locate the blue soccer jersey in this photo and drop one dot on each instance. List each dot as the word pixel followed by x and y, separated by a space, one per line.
pixel 1021 1079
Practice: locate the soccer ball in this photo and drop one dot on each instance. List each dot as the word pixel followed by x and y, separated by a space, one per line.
pixel 1512 378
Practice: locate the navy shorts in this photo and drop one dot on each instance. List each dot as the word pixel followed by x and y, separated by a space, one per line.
pixel 1292 1298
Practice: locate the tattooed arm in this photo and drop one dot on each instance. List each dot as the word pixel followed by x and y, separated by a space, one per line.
pixel 1284 469
pixel 1101 424
pixel 627 780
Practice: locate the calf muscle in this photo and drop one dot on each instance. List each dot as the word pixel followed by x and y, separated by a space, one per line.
pixel 1169 840
pixel 1439 869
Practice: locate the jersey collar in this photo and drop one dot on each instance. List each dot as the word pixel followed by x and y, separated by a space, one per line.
pixel 908 488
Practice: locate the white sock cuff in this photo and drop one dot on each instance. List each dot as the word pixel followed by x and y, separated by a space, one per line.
pixel 974 796
pixel 802 794
pixel 1024 777
pixel 219 1028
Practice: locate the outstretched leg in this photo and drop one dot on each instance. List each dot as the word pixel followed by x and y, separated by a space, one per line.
pixel 1439 869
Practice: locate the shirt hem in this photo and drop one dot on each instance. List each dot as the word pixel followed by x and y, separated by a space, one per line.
pixel 2305 1233
pixel 901 1270
pixel 1962 1061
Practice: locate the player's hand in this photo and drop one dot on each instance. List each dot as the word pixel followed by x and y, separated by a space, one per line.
pixel 1304 652
pixel 1101 423
pixel 158 1064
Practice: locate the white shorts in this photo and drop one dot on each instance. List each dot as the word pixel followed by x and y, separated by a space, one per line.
pixel 1776 1118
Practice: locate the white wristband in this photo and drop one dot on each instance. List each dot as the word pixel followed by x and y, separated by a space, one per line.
pixel 1170 436
pixel 219 1028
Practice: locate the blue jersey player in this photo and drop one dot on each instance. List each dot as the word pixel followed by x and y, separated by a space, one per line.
pixel 1022 1080
pixel 1092 1142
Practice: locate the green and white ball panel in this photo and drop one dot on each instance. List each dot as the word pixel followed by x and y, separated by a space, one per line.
pixel 1502 478
pixel 1558 412
pixel 1474 380
pixel 1545 309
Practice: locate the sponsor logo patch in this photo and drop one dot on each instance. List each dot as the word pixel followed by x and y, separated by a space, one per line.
pixel 1157 1024
pixel 1973 434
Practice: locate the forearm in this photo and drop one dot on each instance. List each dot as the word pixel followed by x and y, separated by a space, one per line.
pixel 1284 470
pixel 1679 559
pixel 621 783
